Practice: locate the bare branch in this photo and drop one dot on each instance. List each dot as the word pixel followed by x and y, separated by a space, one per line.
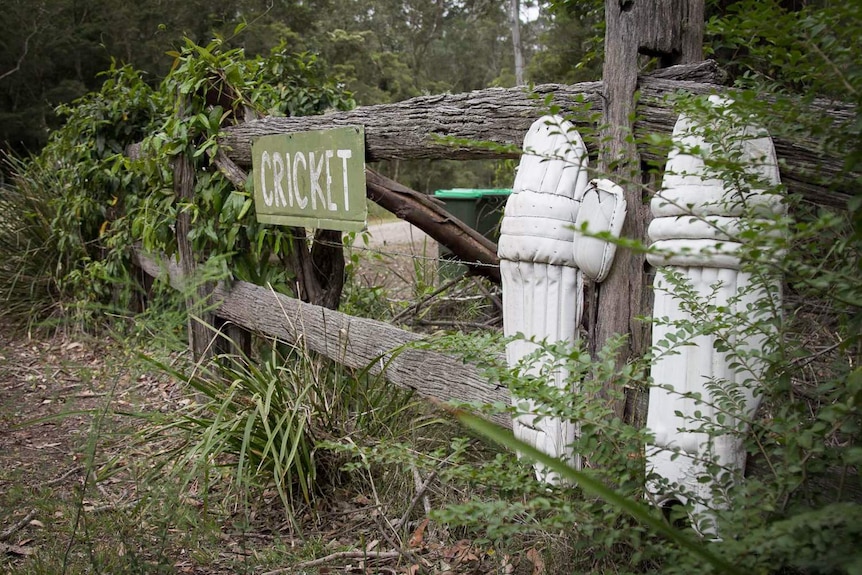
pixel 23 55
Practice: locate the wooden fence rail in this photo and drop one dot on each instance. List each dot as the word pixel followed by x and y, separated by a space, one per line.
pixel 413 129
pixel 410 130
pixel 352 341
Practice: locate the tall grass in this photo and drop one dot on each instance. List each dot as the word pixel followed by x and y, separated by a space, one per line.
pixel 259 421
pixel 30 258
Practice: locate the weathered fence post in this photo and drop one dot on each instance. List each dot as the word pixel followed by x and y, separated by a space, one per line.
pixel 671 30
pixel 199 323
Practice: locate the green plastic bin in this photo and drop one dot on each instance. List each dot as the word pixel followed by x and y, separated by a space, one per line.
pixel 481 209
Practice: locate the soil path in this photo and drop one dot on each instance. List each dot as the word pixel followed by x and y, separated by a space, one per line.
pixel 396 256
pixel 399 233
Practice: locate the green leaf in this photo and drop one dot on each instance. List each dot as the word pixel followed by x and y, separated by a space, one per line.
pixel 245 207
pixel 597 488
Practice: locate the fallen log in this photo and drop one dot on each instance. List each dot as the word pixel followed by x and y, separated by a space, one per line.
pixel 427 214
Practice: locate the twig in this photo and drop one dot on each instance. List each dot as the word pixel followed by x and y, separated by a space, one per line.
pixel 420 488
pixel 261 536
pixel 133 389
pixel 63 477
pixel 17 526
pixel 23 55
pixel 103 491
pixel 498 303
pixel 88 394
pixel 803 361
pixel 420 494
pixel 418 305
pixel 336 557
pixel 384 526
pixel 230 170
pixel 453 324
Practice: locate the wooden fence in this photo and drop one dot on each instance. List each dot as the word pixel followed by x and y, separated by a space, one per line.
pixel 411 130
pixel 355 342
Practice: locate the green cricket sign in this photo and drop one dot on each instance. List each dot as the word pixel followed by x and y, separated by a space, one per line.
pixel 311 179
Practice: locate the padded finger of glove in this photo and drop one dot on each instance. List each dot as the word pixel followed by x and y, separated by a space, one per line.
pixel 695 252
pixel 690 187
pixel 603 209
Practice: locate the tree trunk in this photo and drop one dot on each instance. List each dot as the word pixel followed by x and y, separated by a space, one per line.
pixel 515 24
pixel 662 28
pixel 319 268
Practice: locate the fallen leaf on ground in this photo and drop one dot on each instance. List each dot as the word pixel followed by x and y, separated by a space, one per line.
pixel 536 559
pixel 416 539
pixel 16 549
pixel 457 551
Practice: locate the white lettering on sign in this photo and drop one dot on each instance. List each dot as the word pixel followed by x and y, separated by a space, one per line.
pixel 345 155
pixel 314 179
pixel 329 182
pixel 278 176
pixel 299 199
pixel 264 162
pixel 316 191
pixel 286 177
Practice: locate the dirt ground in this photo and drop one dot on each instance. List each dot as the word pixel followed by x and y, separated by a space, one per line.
pixel 58 394
pixel 40 379
pixel 64 405
pixel 397 257
pixel 64 419
pixel 59 400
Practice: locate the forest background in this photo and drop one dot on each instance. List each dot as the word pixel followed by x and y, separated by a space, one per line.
pixel 53 51
pixel 787 53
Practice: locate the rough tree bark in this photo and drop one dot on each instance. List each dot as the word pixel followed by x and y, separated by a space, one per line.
pixel 356 342
pixel 412 129
pixel 199 323
pixel 673 31
pixel 319 267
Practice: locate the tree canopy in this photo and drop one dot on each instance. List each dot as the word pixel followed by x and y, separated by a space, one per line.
pixel 53 51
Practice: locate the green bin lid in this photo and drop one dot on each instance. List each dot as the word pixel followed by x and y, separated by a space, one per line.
pixel 471 193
